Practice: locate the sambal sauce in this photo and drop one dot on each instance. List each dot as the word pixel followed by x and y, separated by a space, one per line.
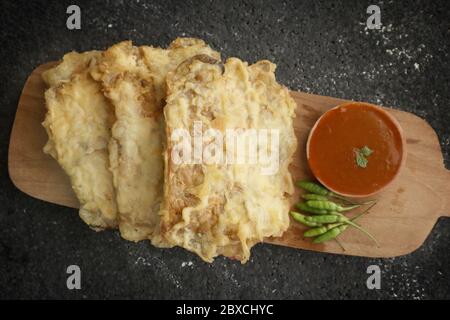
pixel 335 144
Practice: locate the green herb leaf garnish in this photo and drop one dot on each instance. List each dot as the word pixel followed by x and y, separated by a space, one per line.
pixel 361 156
pixel 366 151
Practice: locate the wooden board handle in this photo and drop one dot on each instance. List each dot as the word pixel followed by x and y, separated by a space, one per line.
pixel 402 220
pixel 446 192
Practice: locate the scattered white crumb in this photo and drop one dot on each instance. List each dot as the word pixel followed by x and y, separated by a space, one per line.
pixel 110 25
pixel 184 264
pixel 416 66
pixel 159 265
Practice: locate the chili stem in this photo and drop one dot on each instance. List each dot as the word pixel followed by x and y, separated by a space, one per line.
pixel 364 212
pixel 354 225
pixel 340 244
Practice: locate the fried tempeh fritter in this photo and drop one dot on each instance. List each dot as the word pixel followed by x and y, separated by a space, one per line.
pixel 78 123
pixel 133 79
pixel 225 208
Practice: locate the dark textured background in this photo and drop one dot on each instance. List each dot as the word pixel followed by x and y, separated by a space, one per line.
pixel 320 47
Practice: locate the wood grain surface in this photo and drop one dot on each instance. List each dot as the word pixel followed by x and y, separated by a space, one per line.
pixel 402 219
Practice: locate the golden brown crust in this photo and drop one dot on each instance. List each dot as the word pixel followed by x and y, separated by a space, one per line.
pixel 78 123
pixel 224 209
pixel 136 144
pixel 73 63
pixel 133 79
pixel 211 209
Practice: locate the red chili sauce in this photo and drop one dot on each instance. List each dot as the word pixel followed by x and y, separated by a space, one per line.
pixel 336 138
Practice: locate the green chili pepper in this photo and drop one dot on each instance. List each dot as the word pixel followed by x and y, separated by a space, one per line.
pixel 328 218
pixel 302 219
pixel 313 188
pixel 329 205
pixel 312 196
pixel 320 190
pixel 331 234
pixel 320 230
pixel 304 207
pixel 325 219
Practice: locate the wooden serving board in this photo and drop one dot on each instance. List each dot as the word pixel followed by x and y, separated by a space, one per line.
pixel 401 221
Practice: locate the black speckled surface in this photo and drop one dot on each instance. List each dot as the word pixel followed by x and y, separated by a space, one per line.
pixel 320 47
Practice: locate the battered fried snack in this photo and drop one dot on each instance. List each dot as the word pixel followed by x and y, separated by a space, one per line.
pixel 225 208
pixel 72 63
pixel 78 123
pixel 111 119
pixel 133 78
